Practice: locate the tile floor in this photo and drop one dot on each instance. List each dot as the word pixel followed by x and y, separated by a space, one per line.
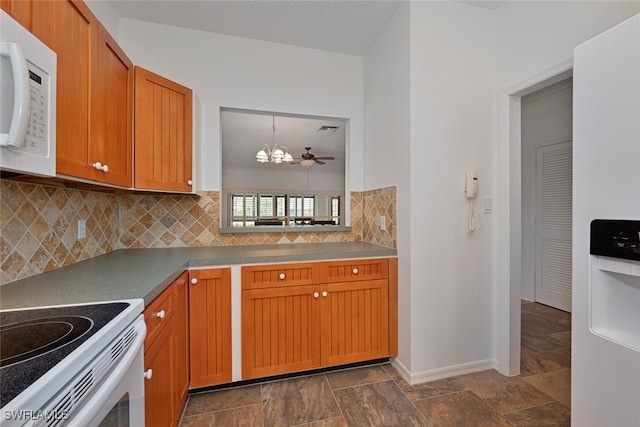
pixel 378 396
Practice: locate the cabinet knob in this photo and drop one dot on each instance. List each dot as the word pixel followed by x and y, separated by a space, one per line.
pixel 355 271
pixel 190 182
pixel 99 166
pixel 282 276
pixel 316 294
pixel 160 314
pixel 324 294
pixel 194 281
pixel 148 374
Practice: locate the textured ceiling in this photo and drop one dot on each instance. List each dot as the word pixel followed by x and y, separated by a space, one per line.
pixel 338 26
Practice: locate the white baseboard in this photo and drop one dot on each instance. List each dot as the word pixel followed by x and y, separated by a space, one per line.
pixel 446 372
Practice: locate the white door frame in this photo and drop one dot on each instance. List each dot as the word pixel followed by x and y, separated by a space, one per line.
pixel 508 234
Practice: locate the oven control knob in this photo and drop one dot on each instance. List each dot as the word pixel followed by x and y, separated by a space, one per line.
pixel 160 314
pixel 194 281
pixel 148 374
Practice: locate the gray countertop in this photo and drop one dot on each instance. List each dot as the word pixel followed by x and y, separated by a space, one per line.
pixel 145 273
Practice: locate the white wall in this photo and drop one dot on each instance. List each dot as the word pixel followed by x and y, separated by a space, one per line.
pixel 535 35
pixel 106 15
pixel 452 95
pixel 387 147
pixel 294 178
pixel 234 72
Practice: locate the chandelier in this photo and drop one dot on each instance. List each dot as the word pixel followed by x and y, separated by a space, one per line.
pixel 275 153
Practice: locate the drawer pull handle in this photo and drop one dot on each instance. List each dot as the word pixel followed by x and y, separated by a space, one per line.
pixel 148 374
pixel 324 294
pixel 160 314
pixel 316 295
pixel 194 281
pixel 282 276
pixel 355 271
pixel 99 166
pixel 190 183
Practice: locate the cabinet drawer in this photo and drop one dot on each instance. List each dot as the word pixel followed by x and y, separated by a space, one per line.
pixel 357 269
pixel 277 275
pixel 158 313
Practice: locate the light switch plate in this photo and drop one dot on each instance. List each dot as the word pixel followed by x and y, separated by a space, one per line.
pixel 487 205
pixel 383 222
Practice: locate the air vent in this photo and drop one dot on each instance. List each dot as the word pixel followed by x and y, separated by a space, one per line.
pixel 328 128
pixel 89 379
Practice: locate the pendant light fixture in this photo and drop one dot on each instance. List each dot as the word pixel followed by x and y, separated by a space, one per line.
pixel 275 153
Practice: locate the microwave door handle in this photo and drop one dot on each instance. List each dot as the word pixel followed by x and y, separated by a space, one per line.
pixel 21 97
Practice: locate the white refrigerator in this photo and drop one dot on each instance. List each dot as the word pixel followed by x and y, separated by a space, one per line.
pixel 606 186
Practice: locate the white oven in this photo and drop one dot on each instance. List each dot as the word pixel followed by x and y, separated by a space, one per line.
pixel 96 353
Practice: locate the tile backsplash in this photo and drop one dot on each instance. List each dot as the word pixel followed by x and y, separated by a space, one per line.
pixel 39 227
pixel 377 203
pixel 152 221
pixel 38 224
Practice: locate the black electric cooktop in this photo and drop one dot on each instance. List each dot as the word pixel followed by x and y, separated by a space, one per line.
pixel 33 341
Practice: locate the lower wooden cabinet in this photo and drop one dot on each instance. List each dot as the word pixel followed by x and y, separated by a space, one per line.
pixel 347 317
pixel 181 325
pixel 354 321
pixel 210 326
pixel 158 386
pixel 280 330
pixel 166 355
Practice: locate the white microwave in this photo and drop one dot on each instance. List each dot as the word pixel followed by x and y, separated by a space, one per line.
pixel 27 101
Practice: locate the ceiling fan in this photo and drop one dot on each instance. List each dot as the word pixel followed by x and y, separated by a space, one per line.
pixel 308 159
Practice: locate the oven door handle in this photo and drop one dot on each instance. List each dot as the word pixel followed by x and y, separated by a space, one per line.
pixel 91 408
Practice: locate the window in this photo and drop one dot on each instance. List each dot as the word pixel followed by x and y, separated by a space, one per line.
pixel 256 209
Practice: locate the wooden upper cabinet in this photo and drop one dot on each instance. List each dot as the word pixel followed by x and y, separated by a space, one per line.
pixel 20 10
pixel 75 39
pixel 112 112
pixel 163 133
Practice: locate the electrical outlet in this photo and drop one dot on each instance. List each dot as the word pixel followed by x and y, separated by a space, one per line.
pixel 82 228
pixel 383 222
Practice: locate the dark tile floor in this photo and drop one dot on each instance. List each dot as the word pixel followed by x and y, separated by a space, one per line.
pixel 378 396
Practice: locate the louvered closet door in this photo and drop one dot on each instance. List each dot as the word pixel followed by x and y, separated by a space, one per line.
pixel 553 225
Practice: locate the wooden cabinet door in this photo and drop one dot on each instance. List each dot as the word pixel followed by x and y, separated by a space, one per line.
pixel 163 133
pixel 158 390
pixel 112 112
pixel 210 326
pixel 20 10
pixel 76 35
pixel 42 24
pixel 280 330
pixel 355 321
pixel 181 330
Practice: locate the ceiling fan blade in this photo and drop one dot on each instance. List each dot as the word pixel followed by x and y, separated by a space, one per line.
pixel 325 158
pixel 320 162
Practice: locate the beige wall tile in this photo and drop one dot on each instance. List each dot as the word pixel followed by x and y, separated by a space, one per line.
pixel 38 224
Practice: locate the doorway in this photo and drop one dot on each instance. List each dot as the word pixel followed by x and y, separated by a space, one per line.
pixel 546 147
